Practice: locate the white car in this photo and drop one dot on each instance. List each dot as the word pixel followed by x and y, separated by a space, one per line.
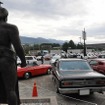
pixel 18 61
pixel 29 59
pixel 54 59
pixel 82 56
pixel 38 57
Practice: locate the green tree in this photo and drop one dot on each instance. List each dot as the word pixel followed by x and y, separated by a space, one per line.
pixel 71 44
pixel 79 46
pixel 65 47
pixel 26 48
pixel 55 45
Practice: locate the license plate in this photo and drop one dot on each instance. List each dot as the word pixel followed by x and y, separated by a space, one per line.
pixel 84 92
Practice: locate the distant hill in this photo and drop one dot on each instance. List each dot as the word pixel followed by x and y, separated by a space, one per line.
pixel 39 40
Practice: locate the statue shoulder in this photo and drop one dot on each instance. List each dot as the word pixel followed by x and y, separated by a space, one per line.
pixel 12 27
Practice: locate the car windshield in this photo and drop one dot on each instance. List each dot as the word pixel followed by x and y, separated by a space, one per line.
pixel 74 65
pixel 29 58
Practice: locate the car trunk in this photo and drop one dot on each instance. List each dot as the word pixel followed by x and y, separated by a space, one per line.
pixel 82 79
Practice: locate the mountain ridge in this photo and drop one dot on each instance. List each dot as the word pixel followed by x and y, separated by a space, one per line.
pixel 38 40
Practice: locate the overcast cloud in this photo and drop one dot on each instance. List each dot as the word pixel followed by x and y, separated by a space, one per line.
pixel 59 19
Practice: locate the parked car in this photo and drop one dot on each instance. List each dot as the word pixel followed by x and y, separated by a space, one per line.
pixel 76 76
pixel 88 56
pixel 101 56
pixel 54 59
pixel 98 65
pixel 29 59
pixel 18 61
pixel 39 57
pixel 33 69
pixel 47 56
pixel 81 56
pixel 63 54
pixel 91 56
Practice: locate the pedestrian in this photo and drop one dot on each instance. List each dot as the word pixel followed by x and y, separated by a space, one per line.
pixel 42 59
pixel 9 35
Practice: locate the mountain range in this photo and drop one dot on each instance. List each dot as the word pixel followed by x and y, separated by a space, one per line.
pixel 39 40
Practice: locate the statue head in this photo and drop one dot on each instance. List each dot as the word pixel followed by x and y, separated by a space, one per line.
pixel 3 13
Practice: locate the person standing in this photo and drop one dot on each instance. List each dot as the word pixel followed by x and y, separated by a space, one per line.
pixel 42 59
pixel 9 35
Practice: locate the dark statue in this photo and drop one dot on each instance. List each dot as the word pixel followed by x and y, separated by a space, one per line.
pixel 9 36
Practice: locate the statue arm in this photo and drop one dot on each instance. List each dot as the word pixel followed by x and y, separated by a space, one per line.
pixel 15 39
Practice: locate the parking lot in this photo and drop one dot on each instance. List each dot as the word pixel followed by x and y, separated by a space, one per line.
pixel 45 88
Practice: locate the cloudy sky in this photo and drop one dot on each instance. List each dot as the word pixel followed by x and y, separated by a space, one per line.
pixel 59 19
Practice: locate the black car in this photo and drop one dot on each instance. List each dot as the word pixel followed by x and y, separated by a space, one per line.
pixel 76 76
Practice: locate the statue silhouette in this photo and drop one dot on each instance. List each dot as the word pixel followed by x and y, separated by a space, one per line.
pixel 9 36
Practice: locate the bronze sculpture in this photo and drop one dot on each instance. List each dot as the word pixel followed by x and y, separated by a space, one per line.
pixel 9 35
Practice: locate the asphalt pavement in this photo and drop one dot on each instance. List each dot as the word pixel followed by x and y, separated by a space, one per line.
pixel 45 88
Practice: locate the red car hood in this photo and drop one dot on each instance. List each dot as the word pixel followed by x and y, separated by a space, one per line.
pixel 19 68
pixel 42 65
pixel 45 65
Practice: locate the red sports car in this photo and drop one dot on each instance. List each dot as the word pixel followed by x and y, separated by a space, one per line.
pixel 98 65
pixel 33 70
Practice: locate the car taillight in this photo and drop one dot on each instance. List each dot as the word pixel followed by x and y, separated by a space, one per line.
pixel 66 83
pixel 100 82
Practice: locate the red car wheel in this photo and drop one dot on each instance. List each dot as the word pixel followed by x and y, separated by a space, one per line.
pixel 27 75
pixel 49 71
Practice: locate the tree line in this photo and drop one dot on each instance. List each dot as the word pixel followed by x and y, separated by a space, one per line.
pixel 71 45
pixel 53 46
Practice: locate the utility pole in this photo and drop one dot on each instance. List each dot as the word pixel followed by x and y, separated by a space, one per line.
pixel 80 40
pixel 0 3
pixel 84 38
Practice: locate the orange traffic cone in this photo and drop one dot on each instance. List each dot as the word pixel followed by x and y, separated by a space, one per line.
pixel 34 94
